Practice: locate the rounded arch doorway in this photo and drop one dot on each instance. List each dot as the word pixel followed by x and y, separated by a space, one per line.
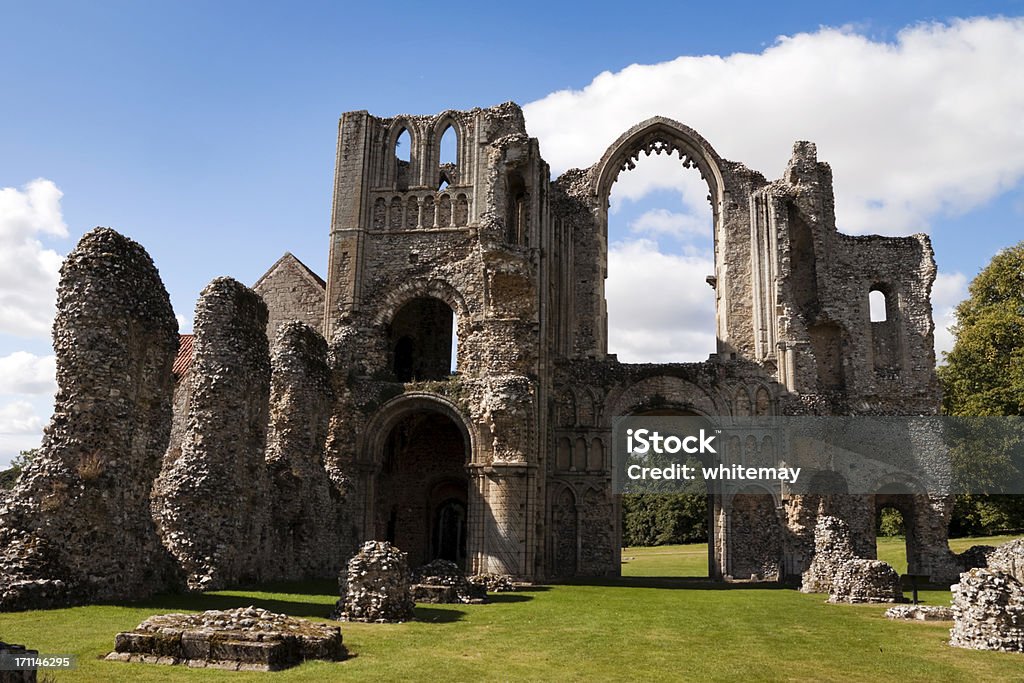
pixel 421 488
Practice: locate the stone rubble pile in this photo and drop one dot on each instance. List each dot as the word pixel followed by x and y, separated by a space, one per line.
pixel 441 581
pixel 376 586
pixel 988 611
pixel 860 580
pixel 243 639
pixel 920 613
pixel 836 570
pixel 832 548
pixel 494 583
pixel 77 526
pixel 1010 558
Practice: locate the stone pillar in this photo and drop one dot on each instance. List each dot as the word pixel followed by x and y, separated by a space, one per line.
pixel 505 493
pixel 77 527
pixel 303 535
pixel 210 501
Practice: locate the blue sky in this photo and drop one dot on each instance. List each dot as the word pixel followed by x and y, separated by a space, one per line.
pixel 207 130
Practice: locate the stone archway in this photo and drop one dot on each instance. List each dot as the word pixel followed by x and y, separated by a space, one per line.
pixel 417 481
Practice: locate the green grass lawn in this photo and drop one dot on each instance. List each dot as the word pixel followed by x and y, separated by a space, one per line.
pixel 634 628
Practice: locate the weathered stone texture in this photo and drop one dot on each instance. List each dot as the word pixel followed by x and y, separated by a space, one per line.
pixel 243 639
pixel 77 527
pixel 304 536
pixel 376 585
pixel 919 613
pixel 210 501
pixel 292 292
pixel 832 549
pixel 860 580
pixel 442 581
pixel 988 611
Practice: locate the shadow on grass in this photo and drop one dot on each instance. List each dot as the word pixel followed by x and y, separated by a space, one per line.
pixel 436 615
pixel 676 582
pixel 206 601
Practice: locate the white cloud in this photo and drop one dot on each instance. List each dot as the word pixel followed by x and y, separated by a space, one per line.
pixel 926 125
pixel 671 223
pixel 25 373
pixel 19 417
pixel 677 325
pixel 948 291
pixel 28 271
pixel 184 324
pixel 21 428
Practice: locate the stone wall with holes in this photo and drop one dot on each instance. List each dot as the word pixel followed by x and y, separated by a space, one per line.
pixel 77 527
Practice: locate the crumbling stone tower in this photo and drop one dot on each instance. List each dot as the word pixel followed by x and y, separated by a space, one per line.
pixel 443 465
pixel 504 466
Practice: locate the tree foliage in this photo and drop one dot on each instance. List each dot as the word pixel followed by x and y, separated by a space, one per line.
pixel 664 518
pixel 10 476
pixel 984 376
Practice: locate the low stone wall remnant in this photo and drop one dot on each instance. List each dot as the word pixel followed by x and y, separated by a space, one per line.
pixel 243 639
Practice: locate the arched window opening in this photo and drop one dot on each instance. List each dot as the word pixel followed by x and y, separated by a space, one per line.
pixel 877 303
pixel 403 159
pixel 516 215
pixel 449 147
pixel 423 341
pixel 448 158
pixel 885 332
pixel 660 239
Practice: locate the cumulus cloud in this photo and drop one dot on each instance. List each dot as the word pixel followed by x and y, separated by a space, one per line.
pixel 28 270
pixel 925 125
pixel 948 291
pixel 26 373
pixel 677 325
pixel 21 428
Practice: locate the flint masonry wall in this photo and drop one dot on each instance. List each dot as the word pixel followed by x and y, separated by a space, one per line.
pixel 210 500
pixel 304 535
pixel 77 527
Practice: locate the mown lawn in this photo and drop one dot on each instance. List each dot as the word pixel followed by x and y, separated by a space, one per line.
pixel 636 628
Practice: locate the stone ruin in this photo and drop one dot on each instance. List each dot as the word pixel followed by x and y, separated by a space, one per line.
pixel 77 527
pixel 988 611
pixel 504 466
pixel 919 613
pixel 859 580
pixel 441 581
pixel 494 583
pixel 832 549
pixel 243 639
pixel 306 516
pixel 836 570
pixel 211 497
pixel 376 586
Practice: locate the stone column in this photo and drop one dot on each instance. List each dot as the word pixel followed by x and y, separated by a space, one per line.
pixel 210 501
pixel 77 527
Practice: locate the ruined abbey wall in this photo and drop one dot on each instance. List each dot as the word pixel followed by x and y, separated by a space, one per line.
pixel 360 423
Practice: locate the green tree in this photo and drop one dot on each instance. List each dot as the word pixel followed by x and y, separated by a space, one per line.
pixel 984 376
pixel 10 476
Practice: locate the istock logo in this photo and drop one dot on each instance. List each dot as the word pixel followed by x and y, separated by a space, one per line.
pixel 642 441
